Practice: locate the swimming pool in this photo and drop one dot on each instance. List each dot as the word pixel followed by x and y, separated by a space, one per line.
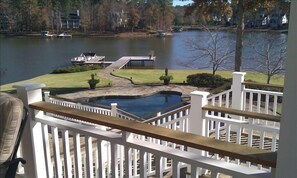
pixel 144 106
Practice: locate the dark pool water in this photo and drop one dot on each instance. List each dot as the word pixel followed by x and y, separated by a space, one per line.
pixel 145 107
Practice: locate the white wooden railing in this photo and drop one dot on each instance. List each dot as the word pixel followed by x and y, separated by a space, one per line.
pixel 223 99
pixel 243 98
pixel 248 99
pixel 87 150
pixel 247 132
pixel 100 109
pixel 175 119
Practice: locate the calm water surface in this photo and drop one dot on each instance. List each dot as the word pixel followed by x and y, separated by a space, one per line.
pixel 144 106
pixel 24 58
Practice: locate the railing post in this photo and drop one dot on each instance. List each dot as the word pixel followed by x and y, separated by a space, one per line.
pixel 237 90
pixel 197 124
pixel 114 109
pixel 46 96
pixel 237 100
pixel 196 120
pixel 32 146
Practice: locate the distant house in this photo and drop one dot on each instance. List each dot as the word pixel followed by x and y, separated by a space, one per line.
pixel 70 21
pixel 257 22
pixel 3 21
pixel 278 20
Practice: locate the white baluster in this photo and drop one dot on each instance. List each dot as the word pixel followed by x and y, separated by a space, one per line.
pixel 67 159
pixel 159 169
pixel 175 169
pixel 143 163
pixel 114 160
pixel 45 136
pixel 77 156
pixel 89 156
pixel 57 159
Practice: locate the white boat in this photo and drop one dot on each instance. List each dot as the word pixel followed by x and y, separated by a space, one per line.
pixel 87 58
pixel 163 34
pixel 46 34
pixel 64 35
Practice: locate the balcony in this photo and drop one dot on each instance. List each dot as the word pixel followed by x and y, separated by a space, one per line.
pixel 207 137
pixel 237 133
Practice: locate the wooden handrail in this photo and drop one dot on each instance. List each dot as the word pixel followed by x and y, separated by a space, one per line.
pixel 237 112
pixel 263 85
pixel 254 155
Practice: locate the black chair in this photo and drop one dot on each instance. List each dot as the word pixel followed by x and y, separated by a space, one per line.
pixel 13 118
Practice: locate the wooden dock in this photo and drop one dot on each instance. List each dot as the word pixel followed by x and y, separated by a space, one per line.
pixel 123 62
pixel 126 61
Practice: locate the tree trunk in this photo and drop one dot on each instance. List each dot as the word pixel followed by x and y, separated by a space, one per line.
pixel 239 36
pixel 268 79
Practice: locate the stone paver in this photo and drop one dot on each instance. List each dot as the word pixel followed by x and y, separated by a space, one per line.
pixel 124 87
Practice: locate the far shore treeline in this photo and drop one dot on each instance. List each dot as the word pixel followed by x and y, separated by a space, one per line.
pixel 110 16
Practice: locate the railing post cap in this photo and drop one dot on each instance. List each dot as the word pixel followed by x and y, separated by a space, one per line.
pixel 199 93
pixel 239 73
pixel 29 86
pixel 114 104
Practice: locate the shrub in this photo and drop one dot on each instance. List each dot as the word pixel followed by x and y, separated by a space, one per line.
pixel 93 82
pixel 206 80
pixel 166 78
pixel 75 68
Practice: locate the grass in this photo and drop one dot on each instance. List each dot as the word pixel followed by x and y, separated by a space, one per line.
pixel 61 83
pixel 72 82
pixel 146 76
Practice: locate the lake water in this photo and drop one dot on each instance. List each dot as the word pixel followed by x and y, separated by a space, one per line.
pixel 24 58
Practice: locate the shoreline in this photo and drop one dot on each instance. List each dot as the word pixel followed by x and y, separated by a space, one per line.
pixel 81 34
pixel 143 34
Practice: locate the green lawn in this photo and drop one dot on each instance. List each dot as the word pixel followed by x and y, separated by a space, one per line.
pixel 144 76
pixel 71 82
pixel 62 83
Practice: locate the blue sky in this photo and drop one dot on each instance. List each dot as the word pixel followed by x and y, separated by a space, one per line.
pixel 181 3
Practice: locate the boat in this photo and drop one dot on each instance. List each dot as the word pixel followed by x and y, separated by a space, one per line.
pixel 163 34
pixel 178 29
pixel 46 34
pixel 87 58
pixel 64 35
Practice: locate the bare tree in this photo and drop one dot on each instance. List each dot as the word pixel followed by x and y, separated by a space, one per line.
pixel 86 16
pixel 216 50
pixel 133 16
pixel 270 56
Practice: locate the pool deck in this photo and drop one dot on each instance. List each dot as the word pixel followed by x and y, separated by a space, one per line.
pixel 124 87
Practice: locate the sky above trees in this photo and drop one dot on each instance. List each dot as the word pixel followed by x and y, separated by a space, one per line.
pixel 181 3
